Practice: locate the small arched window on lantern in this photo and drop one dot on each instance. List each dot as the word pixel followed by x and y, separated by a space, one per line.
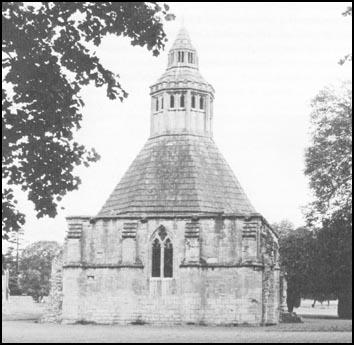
pixel 193 101
pixel 190 57
pixel 162 102
pixel 201 103
pixel 181 101
pixel 162 255
pixel 157 104
pixel 180 57
pixel 172 101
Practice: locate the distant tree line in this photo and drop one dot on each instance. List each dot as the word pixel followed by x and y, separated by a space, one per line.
pixel 317 263
pixel 30 272
pixel 318 258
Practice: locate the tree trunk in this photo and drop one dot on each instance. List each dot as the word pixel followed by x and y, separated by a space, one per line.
pixel 345 304
pixel 290 306
pixel 293 299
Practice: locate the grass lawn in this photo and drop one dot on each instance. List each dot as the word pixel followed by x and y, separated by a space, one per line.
pixel 320 325
pixel 30 332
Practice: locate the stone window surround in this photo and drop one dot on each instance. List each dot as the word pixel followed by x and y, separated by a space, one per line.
pixel 198 99
pixel 184 56
pixel 159 102
pixel 180 56
pixel 161 278
pixel 162 242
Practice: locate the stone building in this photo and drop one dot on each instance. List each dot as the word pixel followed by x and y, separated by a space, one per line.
pixel 177 241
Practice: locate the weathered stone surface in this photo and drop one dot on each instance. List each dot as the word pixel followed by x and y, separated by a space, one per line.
pixel 55 299
pixel 178 174
pixel 217 287
pixel 179 200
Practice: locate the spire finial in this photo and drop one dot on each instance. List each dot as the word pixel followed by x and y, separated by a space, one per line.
pixel 182 40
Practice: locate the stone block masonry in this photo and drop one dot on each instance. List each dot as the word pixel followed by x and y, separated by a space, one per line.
pixel 214 286
pixel 177 241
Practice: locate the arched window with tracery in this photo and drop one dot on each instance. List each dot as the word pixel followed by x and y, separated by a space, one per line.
pixel 162 255
pixel 156 258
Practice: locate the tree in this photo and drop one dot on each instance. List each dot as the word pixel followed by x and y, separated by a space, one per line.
pixel 11 260
pixel 284 227
pixel 335 252
pixel 297 253
pixel 47 59
pixel 329 167
pixel 307 261
pixel 348 57
pixel 35 268
pixel 329 158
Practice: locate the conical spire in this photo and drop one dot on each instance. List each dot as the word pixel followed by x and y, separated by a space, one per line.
pixel 182 52
pixel 179 171
pixel 182 40
pixel 181 99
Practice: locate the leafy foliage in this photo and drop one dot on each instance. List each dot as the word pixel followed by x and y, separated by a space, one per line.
pixel 283 228
pixel 35 268
pixel 348 11
pixel 9 262
pixel 46 61
pixel 308 257
pixel 11 258
pixel 297 253
pixel 329 167
pixel 348 57
pixel 335 250
pixel 329 158
pixel 12 219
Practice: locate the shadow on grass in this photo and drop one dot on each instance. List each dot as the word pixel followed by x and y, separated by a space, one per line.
pixel 320 317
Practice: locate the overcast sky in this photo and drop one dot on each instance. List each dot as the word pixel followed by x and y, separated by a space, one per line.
pixel 265 60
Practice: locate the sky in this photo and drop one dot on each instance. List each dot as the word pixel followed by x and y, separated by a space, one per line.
pixel 266 61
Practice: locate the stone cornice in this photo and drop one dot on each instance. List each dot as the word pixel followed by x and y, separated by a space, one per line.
pixel 181 215
pixel 78 217
pixel 181 84
pixel 220 265
pixel 94 266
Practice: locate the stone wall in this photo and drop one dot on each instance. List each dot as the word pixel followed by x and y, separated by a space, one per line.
pixel 53 308
pixel 223 272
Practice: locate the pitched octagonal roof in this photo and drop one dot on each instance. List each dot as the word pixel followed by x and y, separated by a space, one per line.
pixel 178 174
